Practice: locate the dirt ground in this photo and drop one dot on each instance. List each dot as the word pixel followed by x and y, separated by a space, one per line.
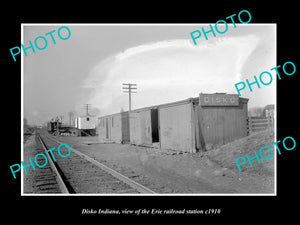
pixel 29 150
pixel 166 171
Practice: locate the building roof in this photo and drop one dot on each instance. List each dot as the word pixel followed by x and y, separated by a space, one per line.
pixel 188 100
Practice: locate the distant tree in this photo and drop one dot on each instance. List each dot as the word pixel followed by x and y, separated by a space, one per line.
pixel 255 111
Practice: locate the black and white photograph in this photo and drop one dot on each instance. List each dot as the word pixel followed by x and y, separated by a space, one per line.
pixel 181 113
pixel 143 110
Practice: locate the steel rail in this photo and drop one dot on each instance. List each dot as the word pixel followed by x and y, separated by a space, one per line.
pixel 140 188
pixel 59 179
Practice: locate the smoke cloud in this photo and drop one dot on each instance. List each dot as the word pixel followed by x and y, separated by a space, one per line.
pixel 168 71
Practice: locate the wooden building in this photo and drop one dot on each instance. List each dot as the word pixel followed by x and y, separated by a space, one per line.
pixel 114 128
pixel 191 125
pixel 143 125
pixel 177 125
pixel 86 125
pixel 221 118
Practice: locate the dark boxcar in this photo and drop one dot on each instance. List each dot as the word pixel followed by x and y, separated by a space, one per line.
pixel 52 126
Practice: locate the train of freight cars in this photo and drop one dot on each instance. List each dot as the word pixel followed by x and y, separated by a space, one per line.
pixel 53 127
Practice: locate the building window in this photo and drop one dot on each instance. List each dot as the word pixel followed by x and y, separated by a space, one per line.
pixel 112 121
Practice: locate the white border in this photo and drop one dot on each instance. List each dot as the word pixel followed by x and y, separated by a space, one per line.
pixel 22 111
pixel 141 24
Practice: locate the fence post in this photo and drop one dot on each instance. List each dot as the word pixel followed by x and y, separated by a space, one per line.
pixel 250 124
pixel 270 121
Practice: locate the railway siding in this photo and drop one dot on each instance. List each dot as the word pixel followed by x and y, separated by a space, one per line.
pixel 42 180
pixel 86 177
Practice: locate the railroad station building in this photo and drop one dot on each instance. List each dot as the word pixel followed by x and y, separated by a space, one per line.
pixel 191 125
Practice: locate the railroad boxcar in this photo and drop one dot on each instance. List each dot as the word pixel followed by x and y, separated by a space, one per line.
pixel 143 125
pixel 201 123
pixel 190 125
pixel 114 128
pixel 52 126
pixel 86 125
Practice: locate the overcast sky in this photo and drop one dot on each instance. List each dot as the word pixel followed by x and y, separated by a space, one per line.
pixel 162 60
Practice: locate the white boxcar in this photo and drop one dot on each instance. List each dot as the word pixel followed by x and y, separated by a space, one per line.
pixel 144 127
pixel 177 130
pixel 114 128
pixel 85 122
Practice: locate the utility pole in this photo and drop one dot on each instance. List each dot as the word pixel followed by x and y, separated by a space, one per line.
pixel 71 115
pixel 128 89
pixel 87 109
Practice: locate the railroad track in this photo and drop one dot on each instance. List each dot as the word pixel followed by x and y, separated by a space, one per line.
pixel 44 180
pixel 61 180
pixel 79 173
